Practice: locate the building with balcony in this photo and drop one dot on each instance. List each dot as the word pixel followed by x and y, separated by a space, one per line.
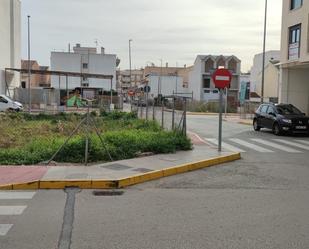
pixel 294 62
pixel 200 80
pixel 126 83
pixel 10 44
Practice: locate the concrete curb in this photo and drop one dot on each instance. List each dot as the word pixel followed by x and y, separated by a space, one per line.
pixel 121 183
pixel 245 123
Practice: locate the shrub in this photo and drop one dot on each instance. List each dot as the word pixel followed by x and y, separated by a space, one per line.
pixel 120 144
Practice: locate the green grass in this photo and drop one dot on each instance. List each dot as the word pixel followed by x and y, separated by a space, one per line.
pixel 26 139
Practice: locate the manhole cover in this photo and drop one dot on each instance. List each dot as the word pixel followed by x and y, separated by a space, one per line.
pixel 116 166
pixel 143 170
pixel 107 193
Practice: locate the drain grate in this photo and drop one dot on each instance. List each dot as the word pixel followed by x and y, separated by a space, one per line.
pixel 116 166
pixel 142 170
pixel 107 193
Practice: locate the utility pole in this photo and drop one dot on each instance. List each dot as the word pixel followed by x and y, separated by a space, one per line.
pixel 130 61
pixel 29 66
pixel 264 45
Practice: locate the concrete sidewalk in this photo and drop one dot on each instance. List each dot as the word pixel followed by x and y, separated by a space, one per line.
pixel 114 174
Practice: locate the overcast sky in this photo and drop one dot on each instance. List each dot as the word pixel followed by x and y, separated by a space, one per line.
pixel 174 30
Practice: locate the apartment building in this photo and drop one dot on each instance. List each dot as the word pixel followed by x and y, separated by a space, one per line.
pixel 84 60
pixel 124 79
pixel 10 44
pixel 294 62
pixel 200 77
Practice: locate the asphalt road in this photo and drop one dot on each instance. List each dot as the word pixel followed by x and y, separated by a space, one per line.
pixel 258 202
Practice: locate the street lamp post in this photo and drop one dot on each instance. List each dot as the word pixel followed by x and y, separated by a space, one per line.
pixel 130 62
pixel 264 45
pixel 29 66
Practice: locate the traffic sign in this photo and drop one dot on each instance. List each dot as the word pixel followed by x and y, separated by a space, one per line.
pixel 222 78
pixel 131 93
pixel 147 89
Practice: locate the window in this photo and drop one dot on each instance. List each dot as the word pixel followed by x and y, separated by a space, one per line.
pixel 215 91
pixel 85 65
pixel 85 78
pixel 295 4
pixel 294 41
pixel 23 84
pixel 206 83
pixel 270 110
pixel 206 91
pixel 3 100
pixel 264 109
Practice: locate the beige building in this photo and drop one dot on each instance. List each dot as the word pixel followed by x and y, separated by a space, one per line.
pixel 271 81
pixel 124 82
pixel 294 68
pixel 37 80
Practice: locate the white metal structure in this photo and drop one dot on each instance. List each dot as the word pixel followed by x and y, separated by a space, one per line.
pixel 10 43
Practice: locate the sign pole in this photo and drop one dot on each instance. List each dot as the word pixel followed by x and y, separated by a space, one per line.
pixel 220 121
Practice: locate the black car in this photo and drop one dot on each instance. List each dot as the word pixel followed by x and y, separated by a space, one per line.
pixel 281 118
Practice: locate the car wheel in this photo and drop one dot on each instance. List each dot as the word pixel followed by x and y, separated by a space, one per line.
pixel 256 127
pixel 276 129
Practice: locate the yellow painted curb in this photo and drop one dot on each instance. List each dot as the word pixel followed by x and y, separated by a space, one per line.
pixel 6 187
pixel 245 123
pixel 61 184
pixel 122 183
pixel 129 181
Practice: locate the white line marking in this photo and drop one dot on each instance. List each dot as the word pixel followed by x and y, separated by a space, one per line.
pixel 224 145
pixel 303 141
pixel 197 136
pixel 225 78
pixel 12 210
pixel 4 228
pixel 7 195
pixel 277 146
pixel 249 145
pixel 302 146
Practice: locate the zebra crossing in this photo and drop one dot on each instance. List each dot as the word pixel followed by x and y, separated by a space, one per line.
pixel 262 145
pixel 7 211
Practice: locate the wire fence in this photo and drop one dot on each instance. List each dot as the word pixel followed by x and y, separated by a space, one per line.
pixel 170 113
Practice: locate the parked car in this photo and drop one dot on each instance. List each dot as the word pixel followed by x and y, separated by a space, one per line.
pixel 281 118
pixel 7 104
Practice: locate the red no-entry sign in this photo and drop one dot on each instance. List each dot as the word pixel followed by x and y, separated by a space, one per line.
pixel 222 78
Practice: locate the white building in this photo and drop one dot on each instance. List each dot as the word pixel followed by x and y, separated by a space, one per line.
pixel 256 72
pixel 10 43
pixel 201 83
pixel 294 69
pixel 84 60
pixel 165 85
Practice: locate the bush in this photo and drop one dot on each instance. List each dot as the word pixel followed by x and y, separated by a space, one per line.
pixel 120 144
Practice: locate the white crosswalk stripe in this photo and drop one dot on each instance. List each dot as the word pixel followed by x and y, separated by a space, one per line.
pixel 224 145
pixel 12 210
pixel 7 195
pixel 4 228
pixel 250 145
pixel 302 141
pixel 297 145
pixel 275 145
